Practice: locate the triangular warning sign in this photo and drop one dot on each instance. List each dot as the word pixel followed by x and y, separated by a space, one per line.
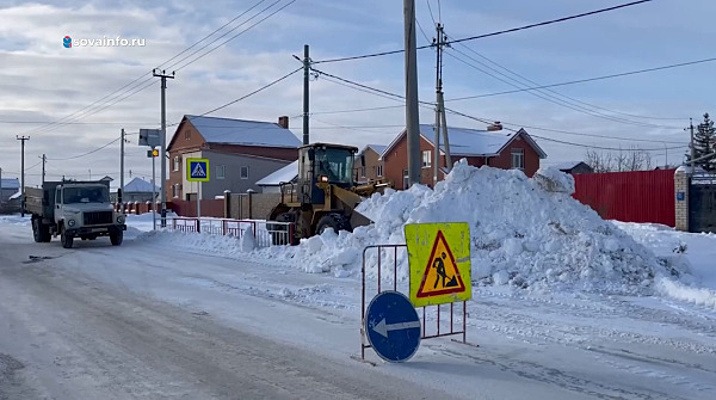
pixel 198 171
pixel 441 274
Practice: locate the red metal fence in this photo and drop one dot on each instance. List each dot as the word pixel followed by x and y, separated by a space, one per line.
pixel 639 196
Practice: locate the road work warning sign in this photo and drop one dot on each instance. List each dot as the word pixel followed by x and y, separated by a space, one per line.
pixel 439 258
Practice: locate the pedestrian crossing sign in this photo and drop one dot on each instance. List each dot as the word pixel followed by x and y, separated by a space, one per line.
pixel 439 261
pixel 197 169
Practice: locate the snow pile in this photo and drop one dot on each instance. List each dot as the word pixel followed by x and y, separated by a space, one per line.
pixel 522 234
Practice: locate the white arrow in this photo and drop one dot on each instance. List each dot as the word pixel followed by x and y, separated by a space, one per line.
pixel 382 328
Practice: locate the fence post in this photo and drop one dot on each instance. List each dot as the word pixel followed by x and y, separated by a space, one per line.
pixel 250 192
pixel 227 203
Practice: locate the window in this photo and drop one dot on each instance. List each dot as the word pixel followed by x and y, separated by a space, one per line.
pixel 335 164
pixel 427 158
pixel 220 171
pixel 379 171
pixel 244 173
pixel 362 172
pixel 176 164
pixel 187 134
pixel 175 190
pixel 518 159
pixel 406 179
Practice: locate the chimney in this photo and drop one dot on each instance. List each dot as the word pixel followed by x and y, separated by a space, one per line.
pixel 283 122
pixel 495 126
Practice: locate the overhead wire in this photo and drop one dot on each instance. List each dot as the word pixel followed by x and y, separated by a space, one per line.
pixel 137 86
pixel 491 34
pixel 394 96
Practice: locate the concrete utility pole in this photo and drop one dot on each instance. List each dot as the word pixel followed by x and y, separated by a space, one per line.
pixel 306 76
pixel 44 161
pixel 120 195
pixel 440 118
pixel 412 118
pixel 22 140
pixel 163 153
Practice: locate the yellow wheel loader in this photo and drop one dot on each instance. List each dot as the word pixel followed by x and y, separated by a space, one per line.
pixel 324 196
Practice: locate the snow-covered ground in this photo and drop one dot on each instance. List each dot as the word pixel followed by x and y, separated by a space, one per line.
pixel 561 298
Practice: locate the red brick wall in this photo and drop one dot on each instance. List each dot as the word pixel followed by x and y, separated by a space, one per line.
pixel 504 160
pixel 397 160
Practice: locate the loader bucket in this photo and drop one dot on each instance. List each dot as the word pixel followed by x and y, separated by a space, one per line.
pixel 358 219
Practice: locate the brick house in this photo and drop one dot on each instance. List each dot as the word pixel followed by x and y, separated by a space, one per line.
pixel 498 149
pixel 373 168
pixel 240 153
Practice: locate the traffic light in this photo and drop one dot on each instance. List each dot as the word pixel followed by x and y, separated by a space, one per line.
pixel 153 153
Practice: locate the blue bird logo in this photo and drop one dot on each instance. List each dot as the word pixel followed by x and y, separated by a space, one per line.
pixel 67 42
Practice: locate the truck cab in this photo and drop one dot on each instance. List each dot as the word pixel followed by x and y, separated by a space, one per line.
pixel 73 209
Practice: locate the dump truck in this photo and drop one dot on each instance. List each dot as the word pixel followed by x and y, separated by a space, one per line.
pixel 324 196
pixel 73 209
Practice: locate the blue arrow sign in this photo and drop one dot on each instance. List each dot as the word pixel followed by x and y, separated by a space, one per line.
pixel 392 326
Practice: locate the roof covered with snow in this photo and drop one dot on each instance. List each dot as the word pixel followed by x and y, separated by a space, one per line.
pixel 10 183
pixel 138 185
pixel 284 174
pixel 242 132
pixel 473 142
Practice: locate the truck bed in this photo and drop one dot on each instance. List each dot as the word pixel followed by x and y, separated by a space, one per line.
pixel 33 202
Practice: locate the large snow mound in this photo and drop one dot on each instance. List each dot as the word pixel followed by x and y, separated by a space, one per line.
pixel 523 234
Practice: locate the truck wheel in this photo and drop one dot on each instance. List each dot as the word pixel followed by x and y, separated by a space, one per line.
pixel 45 236
pixel 66 239
pixel 116 238
pixel 337 222
pixel 36 234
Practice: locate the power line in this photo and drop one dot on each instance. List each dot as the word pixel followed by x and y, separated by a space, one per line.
pixel 87 153
pixel 555 98
pixel 366 88
pixel 598 78
pixel 235 36
pixel 486 35
pixel 93 107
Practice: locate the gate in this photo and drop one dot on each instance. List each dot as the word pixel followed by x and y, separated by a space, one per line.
pixel 436 321
pixel 702 204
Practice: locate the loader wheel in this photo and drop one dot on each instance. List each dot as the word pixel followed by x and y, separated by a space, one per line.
pixel 337 222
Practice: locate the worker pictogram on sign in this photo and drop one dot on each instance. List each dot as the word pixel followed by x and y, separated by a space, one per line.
pixel 439 260
pixel 441 274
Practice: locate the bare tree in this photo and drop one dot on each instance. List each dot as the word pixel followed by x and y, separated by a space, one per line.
pixel 627 160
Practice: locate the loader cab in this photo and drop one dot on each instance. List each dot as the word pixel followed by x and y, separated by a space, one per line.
pixel 322 162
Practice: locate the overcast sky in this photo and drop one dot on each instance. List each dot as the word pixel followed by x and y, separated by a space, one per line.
pixel 41 81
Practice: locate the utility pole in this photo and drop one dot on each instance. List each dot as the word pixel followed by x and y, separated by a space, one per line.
pixel 22 140
pixel 163 153
pixel 306 70
pixel 0 185
pixel 412 118
pixel 693 151
pixel 120 199
pixel 440 118
pixel 44 161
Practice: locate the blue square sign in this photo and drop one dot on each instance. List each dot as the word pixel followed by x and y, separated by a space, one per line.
pixel 197 169
pixel 680 196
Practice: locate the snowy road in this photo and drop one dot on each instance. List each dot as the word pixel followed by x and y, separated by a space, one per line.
pixel 65 336
pixel 156 319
